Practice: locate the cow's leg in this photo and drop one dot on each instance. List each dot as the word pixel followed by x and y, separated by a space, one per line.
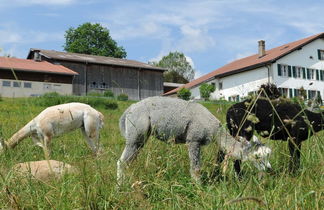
pixel 194 156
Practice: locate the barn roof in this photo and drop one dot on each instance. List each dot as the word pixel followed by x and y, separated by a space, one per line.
pixel 77 57
pixel 34 66
pixel 251 62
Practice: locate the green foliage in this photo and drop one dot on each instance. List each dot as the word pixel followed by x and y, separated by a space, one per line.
pixel 92 39
pixel 1 98
pixel 184 94
pixel 122 97
pixel 179 69
pixel 95 93
pixel 108 93
pixel 205 90
pixel 173 76
pixel 51 99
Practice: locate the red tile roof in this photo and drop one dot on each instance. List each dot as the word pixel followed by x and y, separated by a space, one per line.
pixel 251 62
pixel 34 66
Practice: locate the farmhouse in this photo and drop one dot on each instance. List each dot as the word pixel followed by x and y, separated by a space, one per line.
pixel 24 78
pixel 292 67
pixel 99 73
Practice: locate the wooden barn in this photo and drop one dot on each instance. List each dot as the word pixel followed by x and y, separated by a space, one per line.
pixel 24 78
pixel 99 73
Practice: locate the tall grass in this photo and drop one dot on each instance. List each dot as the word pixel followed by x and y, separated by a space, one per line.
pixel 160 175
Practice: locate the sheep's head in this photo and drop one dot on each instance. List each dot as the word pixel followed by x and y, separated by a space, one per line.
pixel 258 154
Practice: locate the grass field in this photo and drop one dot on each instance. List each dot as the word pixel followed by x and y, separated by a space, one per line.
pixel 163 170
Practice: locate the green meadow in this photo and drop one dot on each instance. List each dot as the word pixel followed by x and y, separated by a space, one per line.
pixel 158 179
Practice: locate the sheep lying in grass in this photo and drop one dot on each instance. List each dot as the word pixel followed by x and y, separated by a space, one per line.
pixel 293 124
pixel 185 122
pixel 60 119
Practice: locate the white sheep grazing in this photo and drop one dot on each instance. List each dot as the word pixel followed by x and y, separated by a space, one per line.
pixel 60 119
pixel 186 122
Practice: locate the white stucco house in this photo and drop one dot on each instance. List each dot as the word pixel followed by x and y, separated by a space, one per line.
pixel 292 66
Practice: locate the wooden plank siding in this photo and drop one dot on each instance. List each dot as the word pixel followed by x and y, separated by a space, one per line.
pixel 35 76
pixel 136 83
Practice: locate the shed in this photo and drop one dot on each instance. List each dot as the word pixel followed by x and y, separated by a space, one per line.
pixel 23 78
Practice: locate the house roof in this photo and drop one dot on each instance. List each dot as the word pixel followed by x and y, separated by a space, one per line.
pixel 33 66
pixel 77 57
pixel 251 62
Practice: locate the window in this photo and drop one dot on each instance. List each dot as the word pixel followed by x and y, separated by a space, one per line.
pixel 298 72
pixel 47 86
pixel 311 94
pixel 320 54
pixel 27 84
pixel 57 87
pixel 322 75
pixel 6 83
pixel 311 74
pixel 283 91
pixel 284 70
pixel 220 85
pixel 17 84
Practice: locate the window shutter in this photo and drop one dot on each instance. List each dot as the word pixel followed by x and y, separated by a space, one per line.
pixel 304 73
pixel 279 70
pixel 309 94
pixel 294 71
pixel 308 74
pixel 290 93
pixel 295 93
pixel 319 54
pixel 289 71
pixel 322 75
pixel 317 74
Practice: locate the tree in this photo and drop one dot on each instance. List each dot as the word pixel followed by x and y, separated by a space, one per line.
pixel 184 94
pixel 92 39
pixel 205 90
pixel 179 69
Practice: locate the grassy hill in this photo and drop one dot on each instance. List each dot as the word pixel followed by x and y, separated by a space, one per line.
pixel 160 173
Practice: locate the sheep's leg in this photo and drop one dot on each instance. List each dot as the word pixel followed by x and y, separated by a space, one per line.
pixel 129 154
pixel 294 149
pixel 194 156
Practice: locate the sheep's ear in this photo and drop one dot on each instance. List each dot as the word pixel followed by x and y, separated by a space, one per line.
pixel 2 144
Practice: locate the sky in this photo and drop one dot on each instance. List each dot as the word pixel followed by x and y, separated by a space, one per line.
pixel 211 33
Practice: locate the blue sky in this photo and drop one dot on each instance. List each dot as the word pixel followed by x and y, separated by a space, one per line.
pixel 210 33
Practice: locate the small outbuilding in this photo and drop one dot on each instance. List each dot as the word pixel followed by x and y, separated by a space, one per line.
pixel 99 73
pixel 24 78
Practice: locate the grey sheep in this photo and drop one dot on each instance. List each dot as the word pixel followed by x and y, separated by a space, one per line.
pixel 185 122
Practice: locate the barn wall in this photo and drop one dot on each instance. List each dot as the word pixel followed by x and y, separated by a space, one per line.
pixel 136 83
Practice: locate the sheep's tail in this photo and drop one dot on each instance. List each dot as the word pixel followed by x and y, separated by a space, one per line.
pixel 23 133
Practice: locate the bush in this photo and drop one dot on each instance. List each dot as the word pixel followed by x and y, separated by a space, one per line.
pixel 51 99
pixel 1 99
pixel 108 93
pixel 184 94
pixel 205 90
pixel 111 105
pixel 122 97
